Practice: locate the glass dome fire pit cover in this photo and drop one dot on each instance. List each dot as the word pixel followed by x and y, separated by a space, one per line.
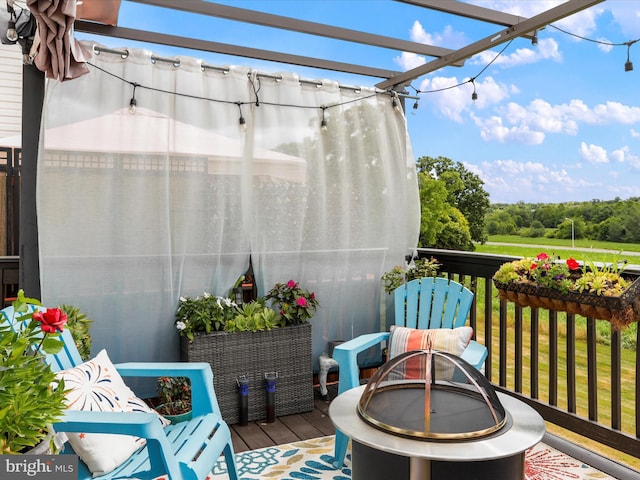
pixel 434 395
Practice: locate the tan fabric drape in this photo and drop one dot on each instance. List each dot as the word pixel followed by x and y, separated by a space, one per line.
pixel 58 53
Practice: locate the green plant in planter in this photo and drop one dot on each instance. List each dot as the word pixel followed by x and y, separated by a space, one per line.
pixel 565 276
pixel 174 395
pixel 31 398
pixel 78 324
pixel 207 313
pixel 419 268
pixel 253 317
pixel 295 304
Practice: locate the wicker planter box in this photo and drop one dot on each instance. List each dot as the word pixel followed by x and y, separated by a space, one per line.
pixel 620 311
pixel 286 351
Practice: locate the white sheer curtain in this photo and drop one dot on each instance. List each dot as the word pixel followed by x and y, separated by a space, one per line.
pixel 135 210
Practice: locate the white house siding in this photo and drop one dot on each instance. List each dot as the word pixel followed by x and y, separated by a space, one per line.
pixel 10 90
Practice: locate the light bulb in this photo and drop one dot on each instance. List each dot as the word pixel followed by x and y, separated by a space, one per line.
pixel 243 124
pixel 132 106
pixel 474 96
pixel 323 125
pixel 628 66
pixel 12 34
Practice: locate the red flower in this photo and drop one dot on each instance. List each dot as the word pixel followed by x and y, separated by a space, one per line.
pixel 51 320
pixel 291 284
pixel 533 266
pixel 301 302
pixel 572 264
pixel 542 256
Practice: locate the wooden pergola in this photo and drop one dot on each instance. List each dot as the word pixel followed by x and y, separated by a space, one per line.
pixel 94 16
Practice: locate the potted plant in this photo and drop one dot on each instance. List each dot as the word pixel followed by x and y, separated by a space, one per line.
pixel 271 334
pixel 601 292
pixel 31 400
pixel 174 398
pixel 419 268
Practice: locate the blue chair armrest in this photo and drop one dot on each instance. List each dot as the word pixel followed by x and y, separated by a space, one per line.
pixel 199 373
pixel 475 354
pixel 144 425
pixel 346 354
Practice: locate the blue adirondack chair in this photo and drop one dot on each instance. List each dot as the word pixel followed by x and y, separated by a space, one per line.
pixel 422 303
pixel 184 451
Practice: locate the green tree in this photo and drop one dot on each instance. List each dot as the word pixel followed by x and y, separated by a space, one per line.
pixel 433 203
pixel 465 191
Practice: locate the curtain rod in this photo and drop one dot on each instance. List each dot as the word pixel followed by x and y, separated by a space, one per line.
pixel 176 63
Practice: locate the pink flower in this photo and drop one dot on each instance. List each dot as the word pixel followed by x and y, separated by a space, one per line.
pixel 291 284
pixel 542 256
pixel 301 302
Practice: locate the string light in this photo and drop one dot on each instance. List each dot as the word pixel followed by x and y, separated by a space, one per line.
pixel 133 103
pixel 12 33
pixel 628 66
pixel 395 104
pixel 241 121
pixel 474 95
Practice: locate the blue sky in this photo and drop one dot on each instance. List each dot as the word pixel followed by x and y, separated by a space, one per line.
pixel 555 122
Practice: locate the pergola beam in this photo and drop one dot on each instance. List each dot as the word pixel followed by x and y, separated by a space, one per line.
pixel 469 11
pixel 297 25
pixel 228 49
pixel 534 23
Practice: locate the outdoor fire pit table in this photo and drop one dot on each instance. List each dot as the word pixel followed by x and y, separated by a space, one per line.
pixel 388 441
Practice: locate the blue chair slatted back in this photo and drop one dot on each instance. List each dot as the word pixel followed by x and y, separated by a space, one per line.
pixel 432 302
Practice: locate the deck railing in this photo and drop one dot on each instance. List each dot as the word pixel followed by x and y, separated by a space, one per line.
pixel 560 364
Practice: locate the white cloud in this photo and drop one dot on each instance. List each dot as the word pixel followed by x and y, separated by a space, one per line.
pixel 635 133
pixel 452 97
pixel 448 38
pixel 509 180
pixel 492 129
pixel 547 49
pixel 407 60
pixel 593 153
pixel 527 124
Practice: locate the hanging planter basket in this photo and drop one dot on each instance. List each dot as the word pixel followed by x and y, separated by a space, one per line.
pixel 620 310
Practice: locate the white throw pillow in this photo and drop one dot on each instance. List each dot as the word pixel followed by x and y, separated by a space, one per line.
pixel 97 386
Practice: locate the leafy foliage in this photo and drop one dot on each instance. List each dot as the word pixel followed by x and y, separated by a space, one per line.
pixel 545 271
pixel 79 325
pixel 30 397
pixel 174 395
pixel 254 317
pixel 420 268
pixel 465 192
pixel 295 304
pixel 207 313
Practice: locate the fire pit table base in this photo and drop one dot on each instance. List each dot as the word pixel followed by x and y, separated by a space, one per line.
pixel 378 454
pixel 373 464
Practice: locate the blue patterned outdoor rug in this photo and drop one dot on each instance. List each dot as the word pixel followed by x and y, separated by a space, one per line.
pixel 312 460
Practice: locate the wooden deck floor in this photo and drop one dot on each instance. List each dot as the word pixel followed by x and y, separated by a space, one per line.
pixel 287 429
